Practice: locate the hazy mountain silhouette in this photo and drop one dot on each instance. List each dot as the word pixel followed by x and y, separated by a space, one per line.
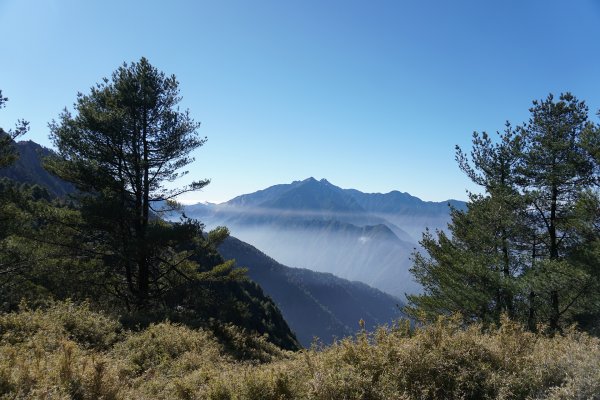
pixel 406 211
pixel 317 225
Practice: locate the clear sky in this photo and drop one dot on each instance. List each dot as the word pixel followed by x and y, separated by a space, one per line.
pixel 371 95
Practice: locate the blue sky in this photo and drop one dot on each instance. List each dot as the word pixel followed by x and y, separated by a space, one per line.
pixel 370 95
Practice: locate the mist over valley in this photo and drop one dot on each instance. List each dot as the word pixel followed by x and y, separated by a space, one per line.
pixel 313 224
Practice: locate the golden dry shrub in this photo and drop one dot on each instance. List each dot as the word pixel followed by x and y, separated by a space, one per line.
pixel 69 352
pixel 58 353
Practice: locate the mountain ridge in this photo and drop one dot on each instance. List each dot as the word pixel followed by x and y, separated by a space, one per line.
pixel 249 198
pixel 314 224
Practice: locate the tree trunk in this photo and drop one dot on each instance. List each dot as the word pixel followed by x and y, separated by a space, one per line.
pixel 144 278
pixel 531 322
pixel 507 298
pixel 554 299
pixel 124 230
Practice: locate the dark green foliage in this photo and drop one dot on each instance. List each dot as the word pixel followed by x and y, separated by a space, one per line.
pixel 472 271
pixel 12 259
pixel 43 241
pixel 221 295
pixel 7 150
pixel 17 255
pixel 556 172
pixel 527 247
pixel 126 140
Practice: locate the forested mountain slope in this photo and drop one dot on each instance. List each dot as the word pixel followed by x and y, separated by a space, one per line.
pixel 28 168
pixel 314 304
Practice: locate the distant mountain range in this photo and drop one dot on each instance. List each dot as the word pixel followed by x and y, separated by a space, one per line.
pixel 367 237
pixel 314 304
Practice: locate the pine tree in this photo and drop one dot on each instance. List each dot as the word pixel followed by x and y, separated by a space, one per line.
pixel 473 270
pixel 126 140
pixel 555 174
pixel 529 246
pixel 11 260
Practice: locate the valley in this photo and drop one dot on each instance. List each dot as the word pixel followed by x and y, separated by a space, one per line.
pixel 313 224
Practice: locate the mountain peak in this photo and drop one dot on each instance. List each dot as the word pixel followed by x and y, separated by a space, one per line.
pixel 314 180
pixel 314 195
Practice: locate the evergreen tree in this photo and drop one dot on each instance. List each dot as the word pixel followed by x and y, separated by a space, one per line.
pixel 7 151
pixel 555 174
pixel 11 260
pixel 473 270
pixel 125 142
pixel 529 245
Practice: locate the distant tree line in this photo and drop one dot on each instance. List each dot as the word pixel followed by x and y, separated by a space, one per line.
pixel 528 246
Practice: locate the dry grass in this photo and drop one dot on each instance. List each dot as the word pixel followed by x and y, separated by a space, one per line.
pixel 70 352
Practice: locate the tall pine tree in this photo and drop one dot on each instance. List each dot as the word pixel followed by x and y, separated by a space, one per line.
pixel 126 140
pixel 528 246
pixel 556 172
pixel 473 270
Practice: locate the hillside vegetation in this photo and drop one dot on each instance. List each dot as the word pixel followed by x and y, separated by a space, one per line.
pixel 106 241
pixel 70 352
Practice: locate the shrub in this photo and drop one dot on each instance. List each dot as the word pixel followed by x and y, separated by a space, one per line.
pixel 62 319
pixel 163 345
pixel 69 352
pixel 246 346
